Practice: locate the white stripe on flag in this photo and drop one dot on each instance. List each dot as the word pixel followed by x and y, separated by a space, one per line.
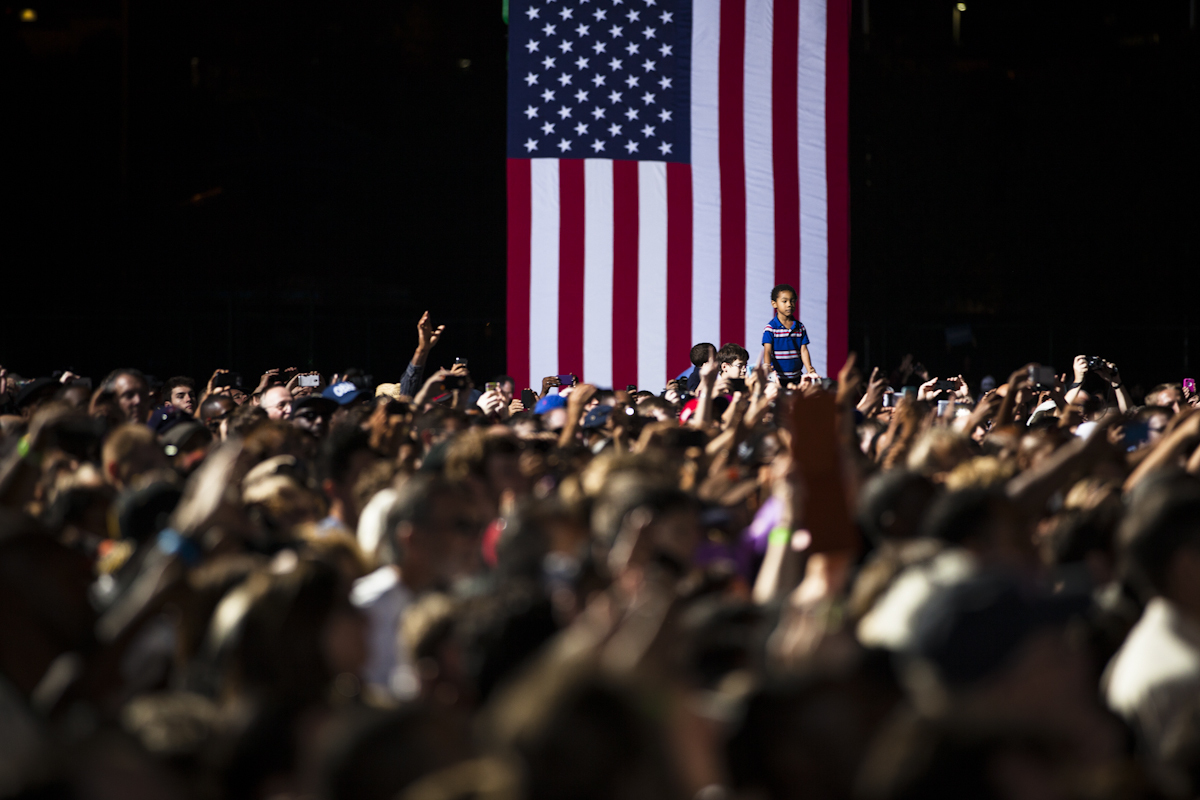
pixel 814 233
pixel 543 268
pixel 598 271
pixel 760 184
pixel 652 275
pixel 706 174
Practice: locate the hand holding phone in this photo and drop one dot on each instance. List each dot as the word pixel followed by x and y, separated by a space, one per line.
pixel 309 380
pixel 528 399
pixel 1042 378
pixel 1189 386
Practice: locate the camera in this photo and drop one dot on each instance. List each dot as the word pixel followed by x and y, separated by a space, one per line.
pixel 1096 361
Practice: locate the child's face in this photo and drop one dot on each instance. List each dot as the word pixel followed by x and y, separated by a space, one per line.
pixel 784 305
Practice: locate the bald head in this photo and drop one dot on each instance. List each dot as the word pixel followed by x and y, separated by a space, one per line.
pixel 277 402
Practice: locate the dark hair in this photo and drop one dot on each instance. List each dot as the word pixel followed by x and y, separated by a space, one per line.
pixel 959 516
pixel 732 352
pixel 178 380
pixel 1163 518
pixel 780 289
pixel 700 352
pixel 338 449
pixel 503 379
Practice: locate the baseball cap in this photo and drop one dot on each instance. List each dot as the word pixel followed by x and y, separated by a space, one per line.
pixel 597 417
pixel 549 403
pixel 166 417
pixel 343 393
pixel 323 405
pixel 183 433
pixel 971 629
pixel 35 390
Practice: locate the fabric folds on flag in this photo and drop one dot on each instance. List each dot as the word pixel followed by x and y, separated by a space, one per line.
pixel 669 161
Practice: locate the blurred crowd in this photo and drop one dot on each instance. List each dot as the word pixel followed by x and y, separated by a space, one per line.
pixel 744 584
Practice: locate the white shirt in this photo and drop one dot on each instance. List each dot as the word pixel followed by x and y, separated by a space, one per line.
pixel 1154 679
pixel 384 600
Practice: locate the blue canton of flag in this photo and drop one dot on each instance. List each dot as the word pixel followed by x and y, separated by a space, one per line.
pixel 600 79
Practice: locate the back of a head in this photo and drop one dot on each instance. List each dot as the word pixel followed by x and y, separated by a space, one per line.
pixel 1163 517
pixel 131 450
pixel 892 504
pixel 335 459
pixel 414 505
pixel 957 517
pixel 380 755
pixel 702 352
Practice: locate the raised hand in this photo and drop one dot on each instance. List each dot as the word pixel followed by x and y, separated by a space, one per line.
pixel 427 335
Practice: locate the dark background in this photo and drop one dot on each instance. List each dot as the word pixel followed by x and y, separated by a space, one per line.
pixel 265 183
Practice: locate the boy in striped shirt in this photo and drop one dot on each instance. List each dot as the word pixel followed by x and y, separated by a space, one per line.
pixel 784 339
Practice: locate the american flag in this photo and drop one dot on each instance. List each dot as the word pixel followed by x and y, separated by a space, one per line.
pixel 669 161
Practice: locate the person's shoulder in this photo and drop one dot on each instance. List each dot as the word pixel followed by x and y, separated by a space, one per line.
pixel 772 324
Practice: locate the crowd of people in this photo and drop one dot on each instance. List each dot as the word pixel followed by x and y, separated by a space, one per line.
pixel 755 583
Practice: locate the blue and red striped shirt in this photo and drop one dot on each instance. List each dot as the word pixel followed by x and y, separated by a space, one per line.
pixel 786 342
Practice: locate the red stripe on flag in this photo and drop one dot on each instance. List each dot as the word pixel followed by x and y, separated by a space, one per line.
pixel 732 160
pixel 625 273
pixel 679 267
pixel 837 131
pixel 784 139
pixel 570 265
pixel 520 224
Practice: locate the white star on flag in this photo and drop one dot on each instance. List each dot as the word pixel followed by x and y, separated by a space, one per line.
pixel 665 148
pixel 564 145
pixel 647 131
pixel 530 112
pixel 530 79
pixel 547 128
pixel 532 12
pixel 614 130
pixel 597 145
pixel 530 145
pixel 631 146
pixel 531 46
